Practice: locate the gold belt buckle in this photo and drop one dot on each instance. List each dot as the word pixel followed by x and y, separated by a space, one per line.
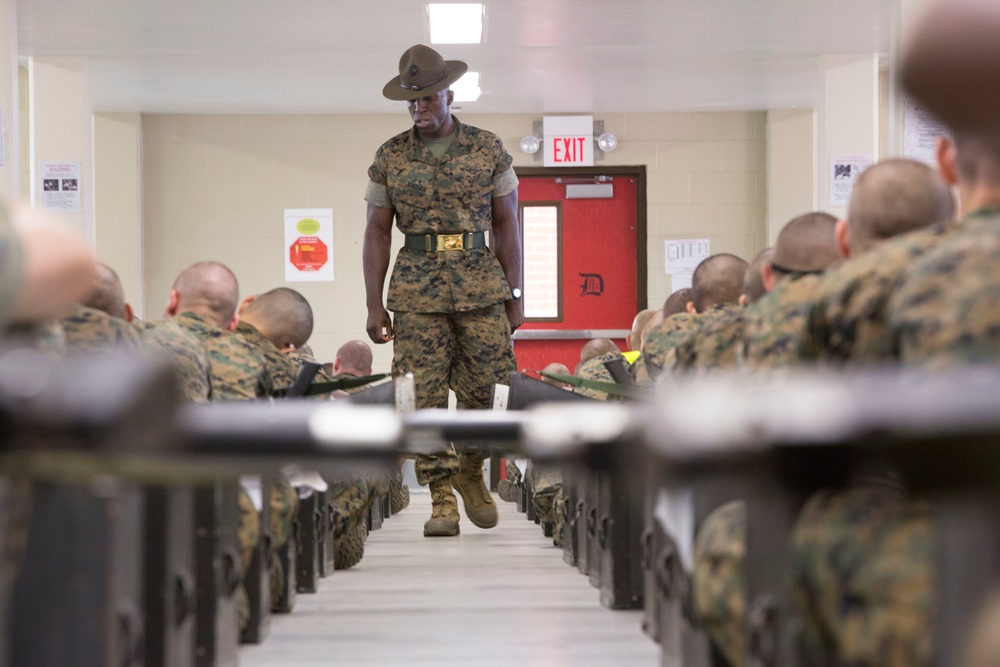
pixel 449 242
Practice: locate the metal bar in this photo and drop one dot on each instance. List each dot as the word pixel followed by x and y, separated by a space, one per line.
pixel 569 334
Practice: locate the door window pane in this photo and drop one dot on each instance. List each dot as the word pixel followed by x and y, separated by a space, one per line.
pixel 542 279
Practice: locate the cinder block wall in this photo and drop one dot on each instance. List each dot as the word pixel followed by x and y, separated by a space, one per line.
pixel 215 186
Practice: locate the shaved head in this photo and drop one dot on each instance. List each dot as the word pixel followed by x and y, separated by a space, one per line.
pixel 107 295
pixel 639 324
pixel 753 283
pixel 355 358
pixel 677 302
pixel 283 316
pixel 596 347
pixel 894 197
pixel 806 244
pixel 208 288
pixel 556 369
pixel 718 279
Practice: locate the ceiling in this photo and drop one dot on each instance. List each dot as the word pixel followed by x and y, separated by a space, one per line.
pixel 539 56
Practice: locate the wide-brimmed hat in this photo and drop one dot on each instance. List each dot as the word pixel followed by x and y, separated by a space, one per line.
pixel 422 71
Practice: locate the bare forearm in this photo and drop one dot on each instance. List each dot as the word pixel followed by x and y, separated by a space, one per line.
pixel 375 260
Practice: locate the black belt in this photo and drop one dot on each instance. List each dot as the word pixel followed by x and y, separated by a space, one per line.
pixel 439 242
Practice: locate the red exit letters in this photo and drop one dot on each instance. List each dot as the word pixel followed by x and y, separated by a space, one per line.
pixel 568 150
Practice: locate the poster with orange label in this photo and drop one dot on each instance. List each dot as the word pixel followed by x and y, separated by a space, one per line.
pixel 308 244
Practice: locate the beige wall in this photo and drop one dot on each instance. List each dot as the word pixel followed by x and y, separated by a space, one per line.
pixel 24 131
pixel 214 187
pixel 118 199
pixel 791 166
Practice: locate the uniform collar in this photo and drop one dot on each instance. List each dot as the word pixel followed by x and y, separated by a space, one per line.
pixel 419 152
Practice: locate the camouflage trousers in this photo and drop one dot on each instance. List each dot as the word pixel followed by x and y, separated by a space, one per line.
pixel 719 591
pixel 467 352
pixel 351 500
pixel 862 566
pixel 249 536
pixel 559 509
pixel 546 483
pixel 284 509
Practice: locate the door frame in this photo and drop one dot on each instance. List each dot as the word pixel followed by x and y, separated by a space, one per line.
pixel 639 172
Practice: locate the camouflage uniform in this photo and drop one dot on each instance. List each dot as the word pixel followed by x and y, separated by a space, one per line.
pixel 847 322
pixel 713 345
pixel 773 326
pixel 89 330
pixel 237 369
pixel 719 592
pixel 664 337
pixel 546 484
pixel 594 369
pixel 249 536
pixel 945 310
pixel 280 367
pixel 184 351
pixel 862 566
pixel 450 325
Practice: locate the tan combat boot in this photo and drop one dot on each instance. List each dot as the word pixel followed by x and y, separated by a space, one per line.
pixel 479 505
pixel 444 511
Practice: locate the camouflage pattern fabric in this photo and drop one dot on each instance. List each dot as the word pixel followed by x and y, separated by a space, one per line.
pixel 719 593
pixel 640 372
pixel 862 564
pixel 351 500
pixel 559 510
pixel 847 324
pixel 299 357
pixel 279 366
pixel 184 351
pixel 713 346
pixel 467 351
pixel 664 337
pixel 349 390
pixel 446 196
pixel 946 308
pixel 284 509
pixel 594 369
pixel 45 337
pixel 237 369
pixel 11 267
pixel 773 326
pixel 90 330
pixel 249 536
pixel 546 483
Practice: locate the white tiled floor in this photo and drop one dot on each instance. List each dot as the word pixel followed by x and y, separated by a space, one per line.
pixel 488 597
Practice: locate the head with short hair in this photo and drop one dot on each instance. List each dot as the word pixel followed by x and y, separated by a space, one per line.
pixel 894 197
pixel 108 295
pixel 283 316
pixel 209 289
pixel 596 347
pixel 556 369
pixel 806 244
pixel 354 358
pixel 753 282
pixel 717 280
pixel 677 302
pixel 638 326
pixel 653 321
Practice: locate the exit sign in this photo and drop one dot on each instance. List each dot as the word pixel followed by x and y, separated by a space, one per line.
pixel 569 141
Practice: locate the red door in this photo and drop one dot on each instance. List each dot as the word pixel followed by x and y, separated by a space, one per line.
pixel 587 279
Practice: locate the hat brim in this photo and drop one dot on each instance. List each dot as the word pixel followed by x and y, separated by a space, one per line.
pixel 394 91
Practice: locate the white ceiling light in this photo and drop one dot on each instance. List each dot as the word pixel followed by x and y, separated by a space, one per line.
pixel 456 24
pixel 607 142
pixel 467 88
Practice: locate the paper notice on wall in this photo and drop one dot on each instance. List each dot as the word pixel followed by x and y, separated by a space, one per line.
pixel 61 185
pixel 680 281
pixel 921 131
pixel 684 255
pixel 844 171
pixel 308 246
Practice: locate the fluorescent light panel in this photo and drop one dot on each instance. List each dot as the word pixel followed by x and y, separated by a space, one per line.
pixel 467 88
pixel 456 24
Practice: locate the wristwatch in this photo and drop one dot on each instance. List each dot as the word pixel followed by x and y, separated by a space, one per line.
pixel 516 292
